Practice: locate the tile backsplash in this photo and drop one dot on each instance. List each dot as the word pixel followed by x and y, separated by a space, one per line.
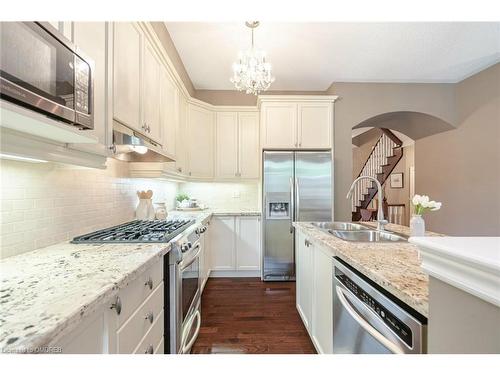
pixel 43 204
pixel 224 195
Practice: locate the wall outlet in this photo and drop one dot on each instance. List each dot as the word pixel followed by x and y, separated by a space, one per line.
pixel 236 194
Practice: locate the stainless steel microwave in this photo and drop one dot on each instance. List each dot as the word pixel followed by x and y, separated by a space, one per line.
pixel 41 70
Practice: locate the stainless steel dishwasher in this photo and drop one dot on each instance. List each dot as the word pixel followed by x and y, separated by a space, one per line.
pixel 370 321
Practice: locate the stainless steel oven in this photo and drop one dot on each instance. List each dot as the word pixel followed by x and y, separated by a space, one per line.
pixel 41 70
pixel 185 291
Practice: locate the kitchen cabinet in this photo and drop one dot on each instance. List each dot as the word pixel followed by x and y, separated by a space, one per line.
pixel 322 301
pixel 222 243
pixel 91 37
pixel 151 94
pixel 169 112
pixel 295 123
pixel 279 125
pixel 127 53
pixel 315 125
pixel 226 145
pixel 237 145
pixel 235 244
pixel 314 292
pixel 181 136
pixel 205 256
pixel 304 279
pixel 247 243
pixel 200 142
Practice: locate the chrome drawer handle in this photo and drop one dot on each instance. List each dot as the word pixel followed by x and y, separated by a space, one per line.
pixel 150 317
pixel 117 305
pixel 149 350
pixel 149 283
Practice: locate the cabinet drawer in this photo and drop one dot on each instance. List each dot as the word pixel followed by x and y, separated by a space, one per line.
pixel 134 294
pixel 134 329
pixel 152 338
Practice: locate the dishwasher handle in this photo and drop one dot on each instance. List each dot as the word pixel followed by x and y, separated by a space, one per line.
pixel 346 303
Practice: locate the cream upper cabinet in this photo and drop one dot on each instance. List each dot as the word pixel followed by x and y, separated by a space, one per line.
pixel 279 125
pixel 296 122
pixel 315 125
pixel 248 141
pixel 127 47
pixel 247 243
pixel 181 136
pixel 90 37
pixel 169 112
pixel 200 142
pixel 226 145
pixel 151 94
pixel 237 145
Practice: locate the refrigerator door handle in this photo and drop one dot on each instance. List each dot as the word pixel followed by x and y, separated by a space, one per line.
pixel 292 204
pixel 297 199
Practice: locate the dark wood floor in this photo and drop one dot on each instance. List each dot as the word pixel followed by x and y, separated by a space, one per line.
pixel 246 315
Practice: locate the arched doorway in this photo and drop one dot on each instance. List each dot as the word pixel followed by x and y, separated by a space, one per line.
pixel 383 147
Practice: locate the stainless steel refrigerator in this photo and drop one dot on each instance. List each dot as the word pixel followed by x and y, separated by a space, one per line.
pixel 297 186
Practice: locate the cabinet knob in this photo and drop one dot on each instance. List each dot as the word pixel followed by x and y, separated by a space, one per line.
pixel 117 305
pixel 150 316
pixel 307 243
pixel 149 350
pixel 149 283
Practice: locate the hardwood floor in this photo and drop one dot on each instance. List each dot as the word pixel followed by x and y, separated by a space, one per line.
pixel 246 315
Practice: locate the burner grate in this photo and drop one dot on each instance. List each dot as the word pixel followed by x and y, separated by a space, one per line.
pixel 137 231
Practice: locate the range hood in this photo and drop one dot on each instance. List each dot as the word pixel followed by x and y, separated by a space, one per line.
pixel 128 145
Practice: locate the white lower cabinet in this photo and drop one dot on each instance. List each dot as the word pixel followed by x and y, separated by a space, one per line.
pixel 205 256
pixel 235 245
pixel 131 323
pixel 314 292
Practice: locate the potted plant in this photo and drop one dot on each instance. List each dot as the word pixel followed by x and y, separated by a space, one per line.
pixel 421 204
pixel 181 197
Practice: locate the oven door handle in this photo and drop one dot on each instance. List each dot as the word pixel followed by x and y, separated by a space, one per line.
pixel 187 347
pixel 364 324
pixel 191 261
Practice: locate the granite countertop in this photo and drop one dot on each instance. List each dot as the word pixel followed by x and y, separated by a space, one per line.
pixel 45 293
pixel 215 212
pixel 393 266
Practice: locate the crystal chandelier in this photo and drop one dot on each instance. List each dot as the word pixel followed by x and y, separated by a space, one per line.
pixel 251 72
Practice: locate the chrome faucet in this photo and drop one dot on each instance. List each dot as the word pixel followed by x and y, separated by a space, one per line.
pixel 380 212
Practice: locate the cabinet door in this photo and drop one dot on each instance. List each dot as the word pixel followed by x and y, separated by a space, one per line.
pixel 222 243
pixel 181 137
pixel 127 42
pixel 151 94
pixel 247 243
pixel 315 125
pixel 304 282
pixel 249 150
pixel 200 142
pixel 90 37
pixel 322 301
pixel 169 111
pixel 226 145
pixel 279 125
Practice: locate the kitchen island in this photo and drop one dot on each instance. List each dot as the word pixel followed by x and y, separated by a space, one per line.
pixel 394 267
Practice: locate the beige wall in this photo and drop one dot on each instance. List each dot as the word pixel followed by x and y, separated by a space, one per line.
pixel 461 167
pixel 361 101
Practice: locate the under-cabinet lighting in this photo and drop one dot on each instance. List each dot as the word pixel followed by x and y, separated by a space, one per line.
pixel 22 158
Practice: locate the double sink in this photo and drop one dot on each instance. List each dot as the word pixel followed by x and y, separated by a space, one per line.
pixel 357 232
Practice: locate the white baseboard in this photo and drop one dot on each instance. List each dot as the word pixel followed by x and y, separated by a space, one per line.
pixel 232 273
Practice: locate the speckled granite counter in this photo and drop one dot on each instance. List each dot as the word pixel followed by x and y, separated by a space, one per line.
pixel 214 212
pixel 393 266
pixel 47 292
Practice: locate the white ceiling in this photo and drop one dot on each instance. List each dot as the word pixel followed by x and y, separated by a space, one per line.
pixel 310 56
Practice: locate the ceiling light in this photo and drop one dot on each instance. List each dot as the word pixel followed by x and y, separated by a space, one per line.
pixel 252 73
pixel 22 158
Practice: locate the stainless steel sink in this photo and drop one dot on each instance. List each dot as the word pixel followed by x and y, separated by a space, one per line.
pixel 367 236
pixel 339 225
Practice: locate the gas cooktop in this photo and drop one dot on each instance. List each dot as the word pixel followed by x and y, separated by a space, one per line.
pixel 137 231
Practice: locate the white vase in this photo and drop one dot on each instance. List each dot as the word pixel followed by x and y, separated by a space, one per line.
pixel 145 210
pixel 417 226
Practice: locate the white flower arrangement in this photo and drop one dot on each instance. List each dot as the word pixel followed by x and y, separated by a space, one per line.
pixel 423 203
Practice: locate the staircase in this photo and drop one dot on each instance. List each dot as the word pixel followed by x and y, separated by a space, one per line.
pixel 384 157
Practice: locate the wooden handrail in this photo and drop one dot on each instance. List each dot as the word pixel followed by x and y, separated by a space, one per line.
pixel 392 136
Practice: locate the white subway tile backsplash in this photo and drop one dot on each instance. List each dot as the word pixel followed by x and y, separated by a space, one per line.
pixel 43 204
